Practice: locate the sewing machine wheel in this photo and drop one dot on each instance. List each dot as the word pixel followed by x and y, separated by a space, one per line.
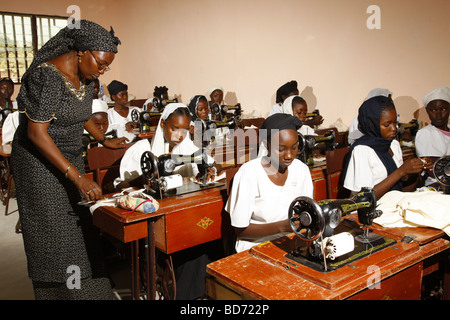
pixel 310 218
pixel 135 116
pixel 441 170
pixel 149 165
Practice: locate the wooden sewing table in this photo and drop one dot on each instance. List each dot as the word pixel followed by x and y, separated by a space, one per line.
pixel 396 272
pixel 181 222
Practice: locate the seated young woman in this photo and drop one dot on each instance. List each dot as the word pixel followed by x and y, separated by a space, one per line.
pixel 375 160
pixel 119 116
pixel 297 107
pixel 434 140
pixel 264 188
pixel 172 137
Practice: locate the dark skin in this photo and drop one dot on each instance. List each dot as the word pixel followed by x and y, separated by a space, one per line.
pixel 77 67
pixel 216 96
pixel 276 165
pixel 122 108
pixel 101 121
pixel 438 112
pixel 175 129
pixel 6 91
pixel 203 110
pixel 412 166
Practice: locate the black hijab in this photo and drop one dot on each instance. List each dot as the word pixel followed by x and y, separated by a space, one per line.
pixel 278 122
pixel 193 106
pixel 369 124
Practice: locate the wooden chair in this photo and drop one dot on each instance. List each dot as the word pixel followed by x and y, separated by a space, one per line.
pixel 257 122
pixel 137 103
pixel 334 160
pixel 104 163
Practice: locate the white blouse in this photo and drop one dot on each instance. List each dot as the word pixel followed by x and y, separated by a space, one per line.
pixel 116 120
pixel 130 165
pixel 255 199
pixel 365 169
pixel 432 142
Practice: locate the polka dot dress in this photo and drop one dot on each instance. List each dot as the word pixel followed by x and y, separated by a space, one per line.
pixel 58 234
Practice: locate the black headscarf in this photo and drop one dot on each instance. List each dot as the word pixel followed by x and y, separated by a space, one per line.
pixel 193 105
pixel 285 89
pixel 115 87
pixel 369 124
pixel 89 36
pixel 278 122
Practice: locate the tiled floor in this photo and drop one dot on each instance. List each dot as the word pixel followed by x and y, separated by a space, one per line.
pixel 14 281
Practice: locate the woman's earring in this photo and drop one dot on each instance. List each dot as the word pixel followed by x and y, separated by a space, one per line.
pixel 79 59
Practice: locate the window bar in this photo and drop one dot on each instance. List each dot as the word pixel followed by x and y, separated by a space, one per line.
pixel 41 32
pixel 25 53
pixel 6 46
pixel 15 48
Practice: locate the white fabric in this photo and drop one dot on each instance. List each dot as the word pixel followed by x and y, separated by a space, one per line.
pixel 9 127
pixel 422 208
pixel 365 169
pixel 307 131
pixel 276 108
pixel 215 88
pixel 432 142
pixel 254 199
pixel 378 92
pixel 287 109
pixel 439 93
pixel 353 131
pixel 99 106
pixel 115 118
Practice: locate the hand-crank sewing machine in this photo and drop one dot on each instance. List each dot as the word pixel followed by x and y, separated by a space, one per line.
pixel 219 112
pixel 318 224
pixel 309 142
pixel 144 118
pixel 441 170
pixel 161 179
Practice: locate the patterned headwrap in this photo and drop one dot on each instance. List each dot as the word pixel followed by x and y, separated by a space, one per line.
pixel 89 36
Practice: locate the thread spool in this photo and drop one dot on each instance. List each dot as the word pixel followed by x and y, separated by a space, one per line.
pixel 171 182
pixel 338 245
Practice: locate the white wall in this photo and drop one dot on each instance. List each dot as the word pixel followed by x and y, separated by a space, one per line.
pixel 251 47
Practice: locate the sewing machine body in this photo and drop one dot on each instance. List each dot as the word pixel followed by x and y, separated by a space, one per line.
pixel 225 113
pixel 310 142
pixel 325 244
pixel 161 182
pixel 441 171
pixel 159 103
pixel 143 118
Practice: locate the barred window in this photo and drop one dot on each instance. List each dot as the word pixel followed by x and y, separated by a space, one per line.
pixel 21 35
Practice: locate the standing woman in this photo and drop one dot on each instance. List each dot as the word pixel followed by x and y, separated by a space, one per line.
pixel 55 102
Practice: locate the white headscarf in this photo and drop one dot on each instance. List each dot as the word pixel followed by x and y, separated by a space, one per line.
pixel 214 89
pixel 439 93
pixel 99 106
pixel 287 105
pixel 378 92
pixel 287 108
pixel 158 145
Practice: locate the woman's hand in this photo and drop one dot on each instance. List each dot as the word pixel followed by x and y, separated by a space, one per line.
pixel 130 126
pixel 210 175
pixel 414 165
pixel 117 143
pixel 88 188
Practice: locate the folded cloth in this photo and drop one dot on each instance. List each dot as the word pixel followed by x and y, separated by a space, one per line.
pixel 423 208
